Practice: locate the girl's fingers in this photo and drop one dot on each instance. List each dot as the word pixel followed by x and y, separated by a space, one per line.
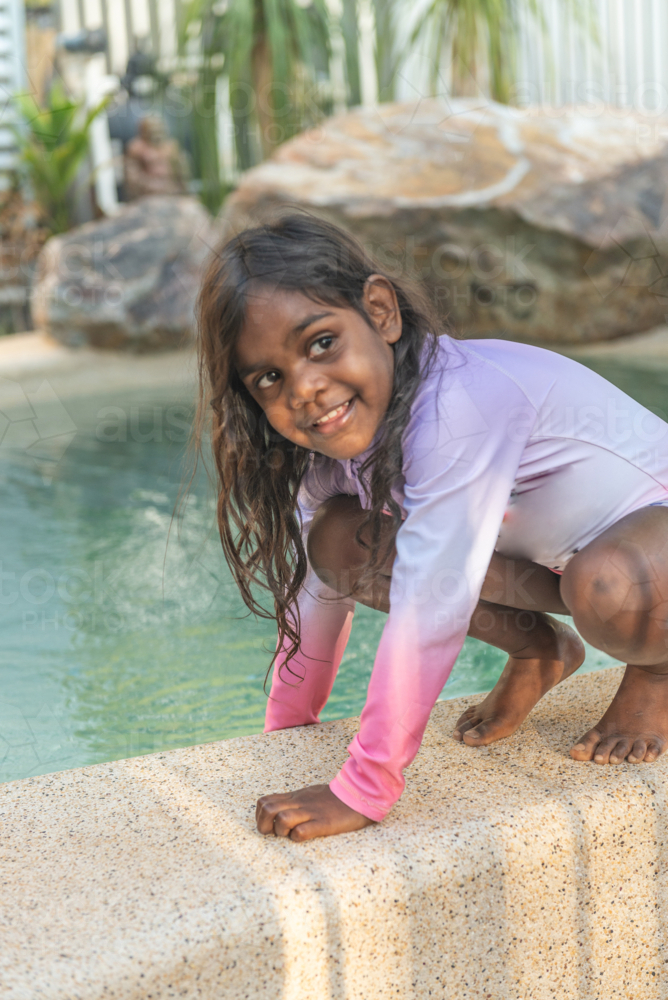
pixel 310 812
pixel 266 809
pixel 309 830
pixel 287 819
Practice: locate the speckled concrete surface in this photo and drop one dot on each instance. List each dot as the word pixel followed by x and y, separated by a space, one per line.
pixel 510 873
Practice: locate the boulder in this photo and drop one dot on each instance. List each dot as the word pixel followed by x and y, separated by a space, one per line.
pixel 126 282
pixel 523 224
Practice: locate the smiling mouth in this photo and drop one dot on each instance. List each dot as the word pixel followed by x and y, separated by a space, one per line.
pixel 334 414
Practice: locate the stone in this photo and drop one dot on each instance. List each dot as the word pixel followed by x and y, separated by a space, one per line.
pixel 536 226
pixel 508 871
pixel 126 282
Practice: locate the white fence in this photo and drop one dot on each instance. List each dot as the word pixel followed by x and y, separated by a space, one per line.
pixel 12 78
pixel 125 21
pixel 622 62
pixel 625 65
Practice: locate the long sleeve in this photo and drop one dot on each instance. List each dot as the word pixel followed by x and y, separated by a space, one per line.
pixel 300 689
pixel 460 459
pixel 326 620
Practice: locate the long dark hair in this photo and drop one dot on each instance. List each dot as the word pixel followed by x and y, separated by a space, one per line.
pixel 259 472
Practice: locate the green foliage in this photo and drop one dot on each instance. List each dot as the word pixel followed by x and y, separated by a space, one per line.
pixel 53 143
pixel 387 56
pixel 483 37
pixel 350 31
pixel 474 28
pixel 275 56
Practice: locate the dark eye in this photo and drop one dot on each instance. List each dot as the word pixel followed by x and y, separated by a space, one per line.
pixel 321 345
pixel 267 380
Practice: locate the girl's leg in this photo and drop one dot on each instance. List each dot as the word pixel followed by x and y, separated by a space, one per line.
pixel 542 651
pixel 617 591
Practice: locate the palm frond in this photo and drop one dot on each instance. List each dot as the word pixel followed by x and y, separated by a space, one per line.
pixel 53 142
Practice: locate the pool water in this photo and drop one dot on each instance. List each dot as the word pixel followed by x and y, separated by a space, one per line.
pixel 123 633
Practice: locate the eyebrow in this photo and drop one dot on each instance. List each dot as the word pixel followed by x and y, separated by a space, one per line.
pixel 299 328
pixel 309 319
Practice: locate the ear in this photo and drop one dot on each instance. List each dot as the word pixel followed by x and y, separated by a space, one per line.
pixel 380 301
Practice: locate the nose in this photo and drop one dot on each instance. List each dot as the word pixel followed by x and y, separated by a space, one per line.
pixel 304 386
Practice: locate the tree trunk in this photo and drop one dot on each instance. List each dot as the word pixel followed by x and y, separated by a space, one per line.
pixel 262 74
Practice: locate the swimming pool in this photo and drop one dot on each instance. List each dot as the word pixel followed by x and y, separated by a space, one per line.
pixel 123 633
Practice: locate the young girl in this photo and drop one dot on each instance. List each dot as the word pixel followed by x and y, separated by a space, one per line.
pixel 460 486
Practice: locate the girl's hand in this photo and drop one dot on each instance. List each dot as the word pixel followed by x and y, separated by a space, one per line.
pixel 311 812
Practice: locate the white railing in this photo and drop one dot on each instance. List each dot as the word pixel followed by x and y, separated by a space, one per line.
pixel 625 65
pixel 124 21
pixel 12 79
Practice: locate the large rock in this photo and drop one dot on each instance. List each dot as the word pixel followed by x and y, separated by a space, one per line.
pixel 129 281
pixel 527 225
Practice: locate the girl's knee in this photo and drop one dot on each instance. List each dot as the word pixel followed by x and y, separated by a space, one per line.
pixel 593 586
pixel 602 581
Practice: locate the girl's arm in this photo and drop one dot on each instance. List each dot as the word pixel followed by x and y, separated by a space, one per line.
pixel 296 699
pixel 326 620
pixel 461 452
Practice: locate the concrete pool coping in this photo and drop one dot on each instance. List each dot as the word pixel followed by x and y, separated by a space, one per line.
pixel 506 872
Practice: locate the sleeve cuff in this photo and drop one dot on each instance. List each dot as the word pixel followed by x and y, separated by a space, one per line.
pixel 348 796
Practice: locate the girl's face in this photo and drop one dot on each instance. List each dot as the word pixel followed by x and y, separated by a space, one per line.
pixel 319 372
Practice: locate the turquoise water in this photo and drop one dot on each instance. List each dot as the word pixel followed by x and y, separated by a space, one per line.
pixel 122 631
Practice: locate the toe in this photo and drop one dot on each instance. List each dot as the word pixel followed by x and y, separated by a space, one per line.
pixel 482 734
pixel 464 720
pixel 584 749
pixel 654 750
pixel 465 724
pixel 638 751
pixel 604 749
pixel 619 751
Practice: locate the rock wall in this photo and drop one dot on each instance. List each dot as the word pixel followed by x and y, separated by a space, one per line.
pixel 533 226
pixel 126 282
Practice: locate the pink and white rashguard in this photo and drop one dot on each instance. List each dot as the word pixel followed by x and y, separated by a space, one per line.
pixel 508 447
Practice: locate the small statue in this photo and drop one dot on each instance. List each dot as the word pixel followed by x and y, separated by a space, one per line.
pixel 154 163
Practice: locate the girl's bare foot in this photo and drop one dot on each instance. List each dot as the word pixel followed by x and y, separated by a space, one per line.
pixel 527 676
pixel 635 727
